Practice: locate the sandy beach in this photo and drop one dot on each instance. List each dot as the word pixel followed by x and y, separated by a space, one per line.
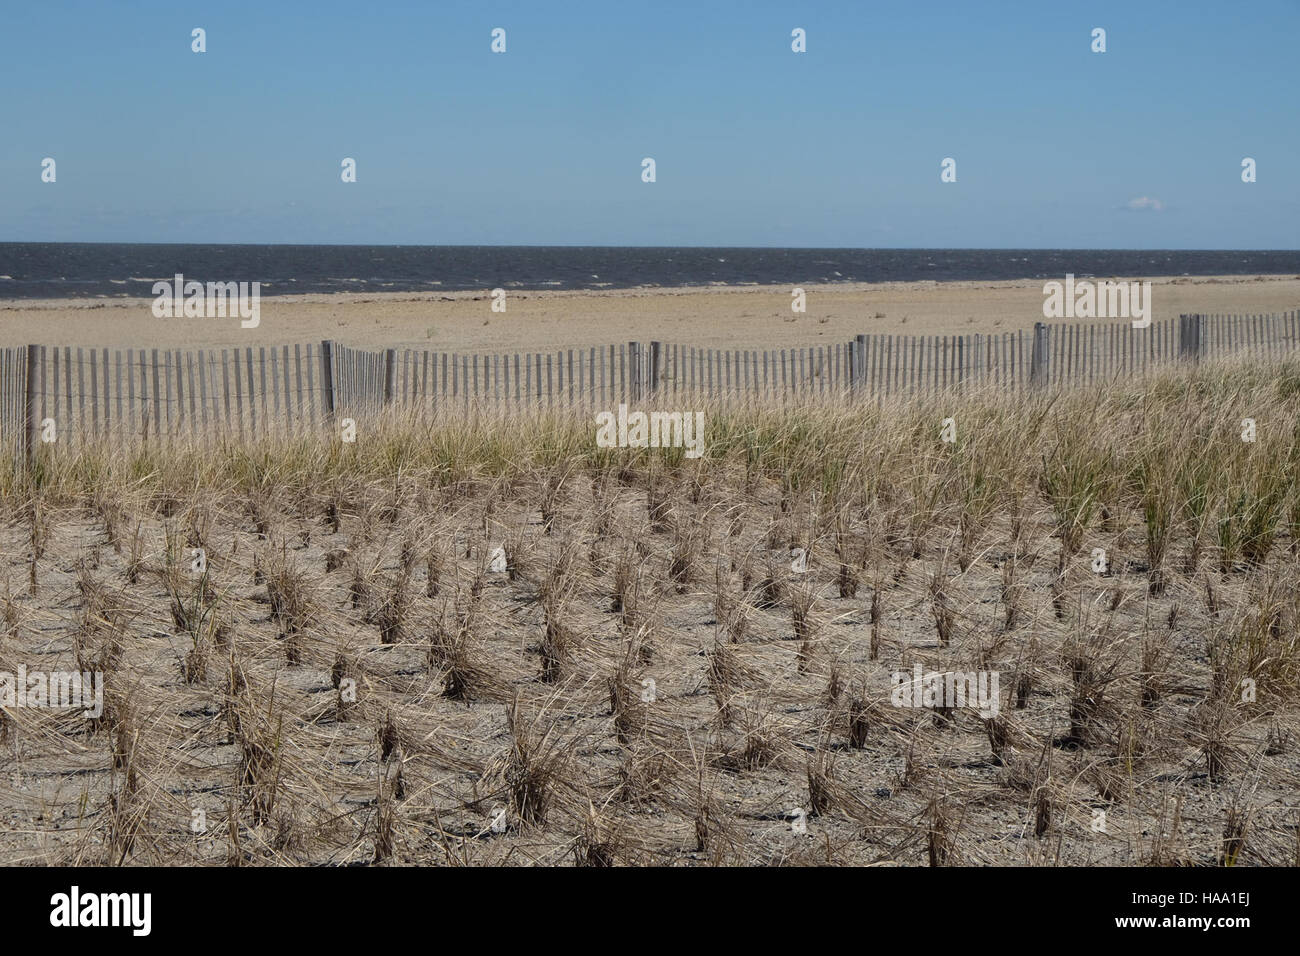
pixel 711 317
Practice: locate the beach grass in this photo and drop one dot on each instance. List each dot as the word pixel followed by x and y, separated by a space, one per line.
pixel 492 641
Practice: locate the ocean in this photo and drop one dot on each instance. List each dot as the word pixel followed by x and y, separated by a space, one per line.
pixel 41 270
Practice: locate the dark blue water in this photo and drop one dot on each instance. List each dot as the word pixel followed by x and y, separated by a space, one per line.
pixel 47 270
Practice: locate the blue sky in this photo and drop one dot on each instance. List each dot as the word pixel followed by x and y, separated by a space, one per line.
pixel 754 144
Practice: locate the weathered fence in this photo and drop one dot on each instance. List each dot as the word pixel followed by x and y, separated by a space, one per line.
pixel 13 383
pixel 85 396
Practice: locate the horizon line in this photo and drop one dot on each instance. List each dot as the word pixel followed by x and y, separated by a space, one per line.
pixel 579 245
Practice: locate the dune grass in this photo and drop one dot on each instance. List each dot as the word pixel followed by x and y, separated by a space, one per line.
pixel 490 641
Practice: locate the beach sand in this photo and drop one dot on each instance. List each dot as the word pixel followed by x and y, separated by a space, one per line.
pixel 718 317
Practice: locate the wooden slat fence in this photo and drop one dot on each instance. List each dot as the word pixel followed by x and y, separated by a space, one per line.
pixel 160 395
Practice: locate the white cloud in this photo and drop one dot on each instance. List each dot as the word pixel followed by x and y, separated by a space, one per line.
pixel 1146 202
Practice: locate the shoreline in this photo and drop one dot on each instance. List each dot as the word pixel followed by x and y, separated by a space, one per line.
pixel 435 295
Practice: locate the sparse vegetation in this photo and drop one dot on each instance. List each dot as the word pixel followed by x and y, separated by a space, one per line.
pixel 491 642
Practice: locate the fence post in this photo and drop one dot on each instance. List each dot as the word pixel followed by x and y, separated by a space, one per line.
pixel 390 371
pixel 656 365
pixel 29 406
pixel 1194 337
pixel 1038 370
pixel 1187 345
pixel 634 371
pixel 326 378
pixel 861 342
